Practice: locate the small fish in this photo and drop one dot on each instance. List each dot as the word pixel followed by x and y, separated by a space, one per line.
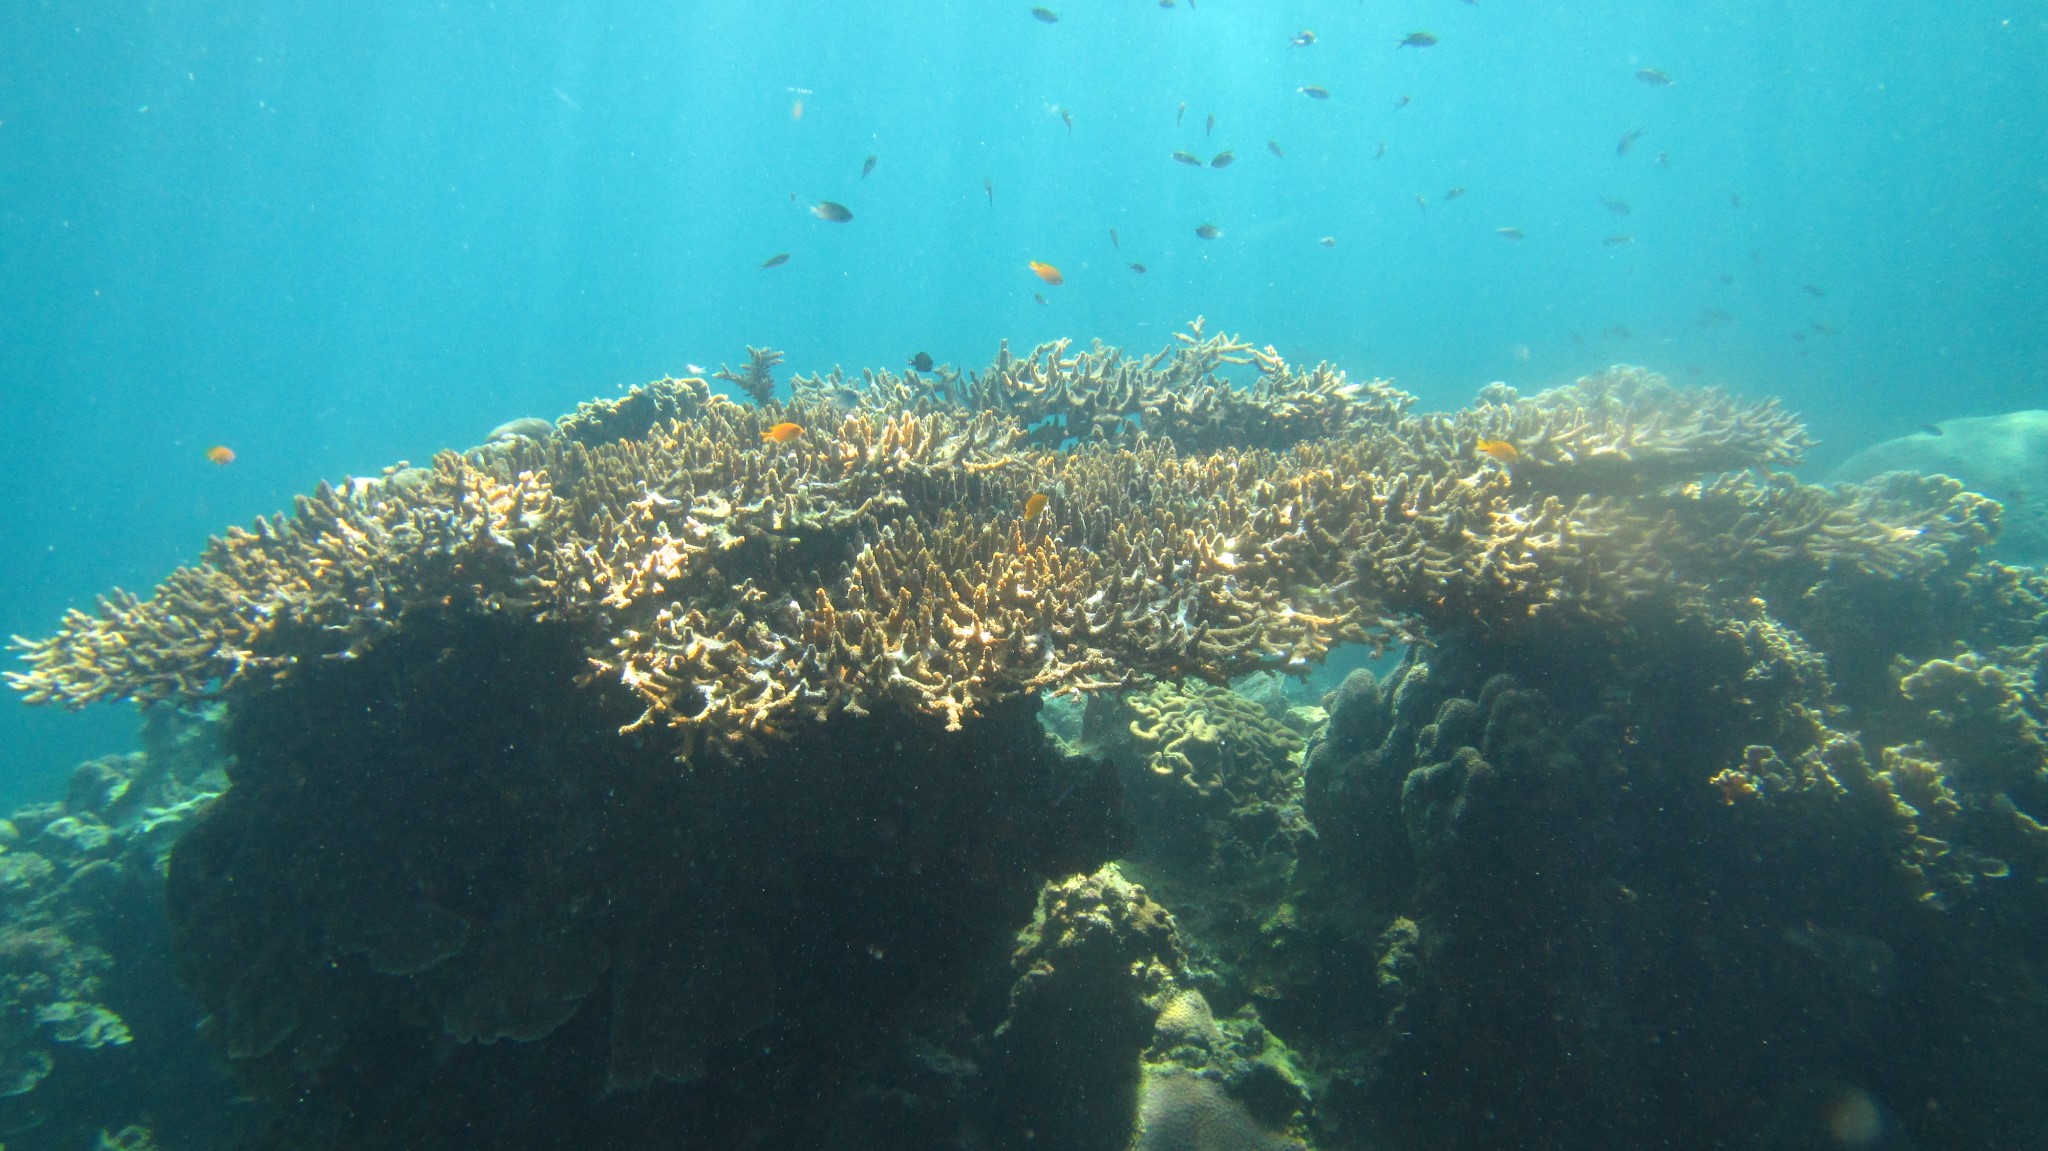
pixel 1663 159
pixel 1047 272
pixel 1932 430
pixel 1113 240
pixel 1454 193
pixel 1618 207
pixel 1726 277
pixel 866 166
pixel 1814 290
pixel 1508 233
pixel 921 362
pixel 782 433
pixel 1138 268
pixel 1223 159
pixel 1169 4
pixel 1188 158
pixel 1735 199
pixel 1618 239
pixel 1380 151
pixel 1421 202
pixel 1418 40
pixel 1328 241
pixel 1180 113
pixel 1273 146
pixel 775 261
pixel 1628 140
pixel 827 210
pixel 1503 450
pixel 1306 39
pixel 1045 15
pixel 1034 505
pixel 1654 76
pixel 1066 118
pixel 1619 332
pixel 1208 231
pixel 1209 125
pixel 989 186
pixel 1040 297
pixel 1716 316
pixel 796 109
pixel 1402 103
pixel 1821 328
pixel 221 455
pixel 1314 91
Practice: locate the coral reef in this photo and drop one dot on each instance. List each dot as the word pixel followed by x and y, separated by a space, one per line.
pixel 739 586
pixel 627 782
pixel 2004 457
pixel 94 1032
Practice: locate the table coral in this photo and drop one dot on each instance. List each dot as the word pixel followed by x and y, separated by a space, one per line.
pixel 737 585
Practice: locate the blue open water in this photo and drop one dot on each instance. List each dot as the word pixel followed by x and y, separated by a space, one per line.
pixel 335 236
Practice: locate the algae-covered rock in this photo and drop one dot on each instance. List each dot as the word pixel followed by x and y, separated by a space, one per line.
pixel 1179 1111
pixel 1091 970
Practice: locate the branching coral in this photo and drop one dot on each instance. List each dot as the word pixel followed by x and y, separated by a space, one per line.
pixel 757 379
pixel 931 550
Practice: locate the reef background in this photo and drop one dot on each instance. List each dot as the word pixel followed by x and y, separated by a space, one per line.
pixel 332 243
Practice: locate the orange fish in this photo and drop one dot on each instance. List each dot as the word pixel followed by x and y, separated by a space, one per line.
pixel 782 433
pixel 221 454
pixel 1034 505
pixel 1047 272
pixel 1501 450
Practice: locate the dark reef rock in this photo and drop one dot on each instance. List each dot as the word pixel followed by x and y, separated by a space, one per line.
pixel 484 918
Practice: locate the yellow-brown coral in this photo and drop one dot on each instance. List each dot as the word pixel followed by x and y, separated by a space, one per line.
pixel 735 587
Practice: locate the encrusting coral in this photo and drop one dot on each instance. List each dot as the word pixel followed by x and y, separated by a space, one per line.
pixel 926 549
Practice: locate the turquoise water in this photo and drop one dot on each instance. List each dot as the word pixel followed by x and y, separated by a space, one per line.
pixel 332 238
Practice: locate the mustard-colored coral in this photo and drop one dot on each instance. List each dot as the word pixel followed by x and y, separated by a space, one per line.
pixel 735 586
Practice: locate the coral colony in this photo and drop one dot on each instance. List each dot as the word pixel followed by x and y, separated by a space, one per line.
pixel 625 779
